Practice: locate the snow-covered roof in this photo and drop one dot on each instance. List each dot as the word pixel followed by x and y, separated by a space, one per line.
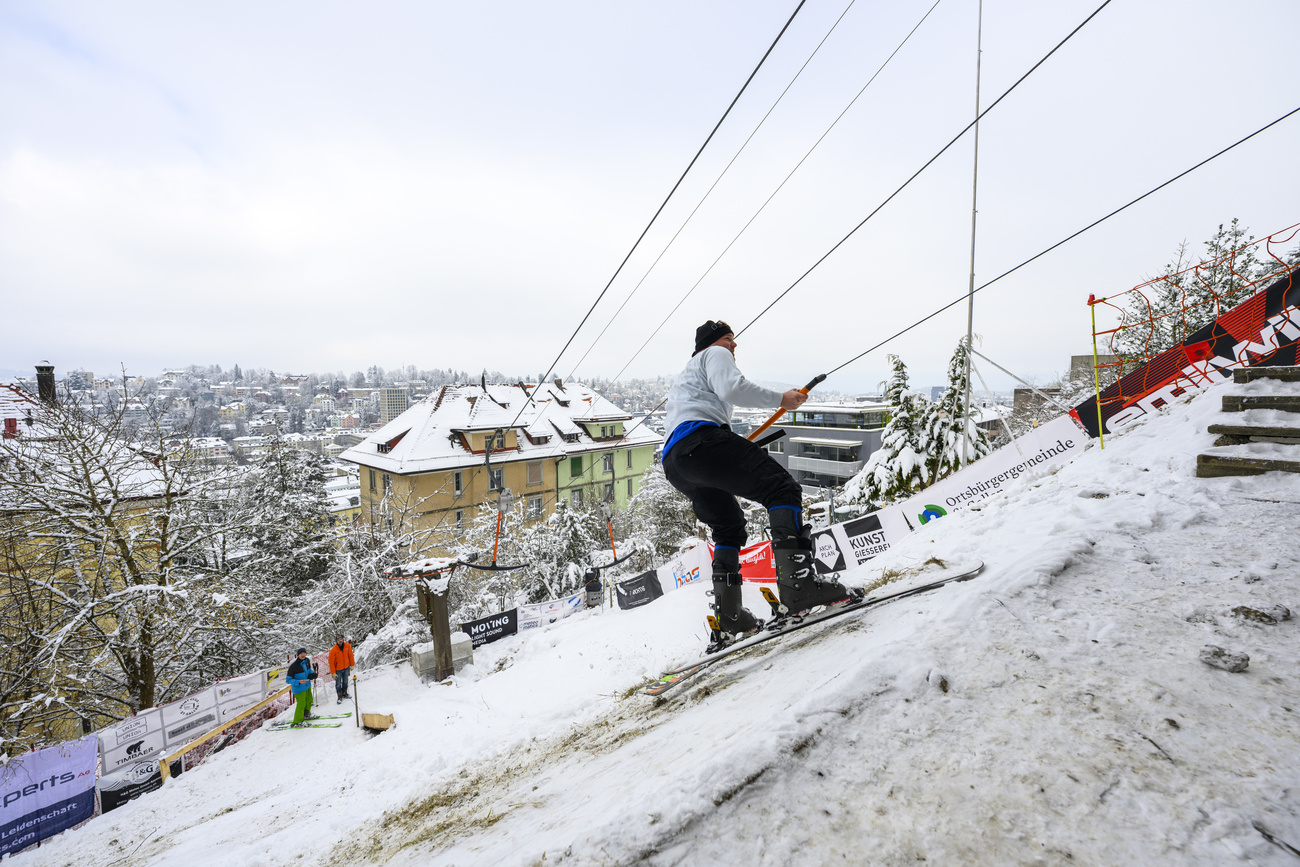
pixel 842 406
pixel 20 404
pixel 428 435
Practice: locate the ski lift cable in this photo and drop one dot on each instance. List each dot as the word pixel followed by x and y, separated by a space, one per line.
pixel 715 183
pixel 927 164
pixel 1065 240
pixel 778 188
pixel 1033 258
pixel 664 204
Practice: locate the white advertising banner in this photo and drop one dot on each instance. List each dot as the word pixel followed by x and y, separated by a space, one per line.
pixel 273 680
pixel 238 694
pixel 46 792
pixel 132 740
pixel 1057 442
pixel 853 543
pixel 546 613
pixel 189 717
pixel 685 568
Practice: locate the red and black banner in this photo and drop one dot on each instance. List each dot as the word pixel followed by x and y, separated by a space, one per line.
pixel 1259 332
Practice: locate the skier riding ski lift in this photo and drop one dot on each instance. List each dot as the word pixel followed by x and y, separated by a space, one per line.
pixel 711 465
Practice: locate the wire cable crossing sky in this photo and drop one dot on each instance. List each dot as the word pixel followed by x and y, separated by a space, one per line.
pixel 329 187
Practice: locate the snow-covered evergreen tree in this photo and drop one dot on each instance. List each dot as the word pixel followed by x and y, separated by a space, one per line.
pixel 285 494
pixel 565 545
pixel 942 425
pixel 896 470
pixel 658 520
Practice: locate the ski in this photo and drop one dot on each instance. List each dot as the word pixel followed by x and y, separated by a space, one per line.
pixel 284 727
pixel 677 676
pixel 275 724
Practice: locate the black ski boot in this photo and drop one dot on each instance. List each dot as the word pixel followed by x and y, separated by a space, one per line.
pixel 732 619
pixel 796 577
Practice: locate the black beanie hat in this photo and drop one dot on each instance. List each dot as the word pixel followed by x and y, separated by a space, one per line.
pixel 708 333
pixel 301 650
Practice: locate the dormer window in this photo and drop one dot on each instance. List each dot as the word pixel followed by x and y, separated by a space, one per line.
pixel 386 447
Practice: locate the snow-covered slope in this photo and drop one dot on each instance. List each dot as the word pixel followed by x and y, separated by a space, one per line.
pixel 1053 710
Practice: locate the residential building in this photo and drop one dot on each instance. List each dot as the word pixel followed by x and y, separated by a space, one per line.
pixel 436 466
pixel 392 403
pixel 827 443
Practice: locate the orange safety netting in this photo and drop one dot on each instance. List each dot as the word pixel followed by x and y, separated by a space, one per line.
pixel 1161 313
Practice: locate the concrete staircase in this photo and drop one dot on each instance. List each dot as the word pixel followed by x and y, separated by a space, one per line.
pixel 1267 437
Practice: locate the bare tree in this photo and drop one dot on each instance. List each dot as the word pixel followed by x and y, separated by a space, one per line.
pixel 125 577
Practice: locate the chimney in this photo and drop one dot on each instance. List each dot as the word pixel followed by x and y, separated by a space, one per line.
pixel 45 383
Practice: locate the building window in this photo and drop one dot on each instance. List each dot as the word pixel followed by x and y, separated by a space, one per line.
pixel 777 447
pixel 388 484
pixel 575 499
pixel 629 487
pixel 494 480
pixel 575 467
pixel 534 472
pixel 609 463
pixel 609 492
pixel 498 443
pixel 460 520
pixel 534 507
pixel 372 480
pixel 457 482
pixel 629 459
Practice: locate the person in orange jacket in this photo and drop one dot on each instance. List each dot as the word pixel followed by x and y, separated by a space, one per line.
pixel 341 663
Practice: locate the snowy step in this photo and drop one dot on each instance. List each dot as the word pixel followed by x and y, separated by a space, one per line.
pixel 1211 466
pixel 1250 374
pixel 1244 402
pixel 1230 434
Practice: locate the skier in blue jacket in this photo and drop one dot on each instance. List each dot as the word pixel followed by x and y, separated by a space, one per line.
pixel 711 465
pixel 299 678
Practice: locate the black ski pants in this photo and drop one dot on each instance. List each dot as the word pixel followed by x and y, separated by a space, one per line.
pixel 712 466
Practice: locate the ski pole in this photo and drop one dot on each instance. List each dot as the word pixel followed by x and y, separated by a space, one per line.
pixel 780 412
pixel 356 702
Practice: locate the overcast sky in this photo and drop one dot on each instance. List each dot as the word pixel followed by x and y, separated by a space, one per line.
pixel 324 186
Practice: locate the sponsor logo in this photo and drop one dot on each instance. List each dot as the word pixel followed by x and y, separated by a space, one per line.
pixel 131 729
pixel 188 706
pixel 141 772
pixel 682 578
pixel 827 551
pixel 15 795
pixel 485 625
pixel 134 749
pixel 930 513
pixel 191 725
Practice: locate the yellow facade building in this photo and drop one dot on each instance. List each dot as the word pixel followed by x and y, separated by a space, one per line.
pixel 440 463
